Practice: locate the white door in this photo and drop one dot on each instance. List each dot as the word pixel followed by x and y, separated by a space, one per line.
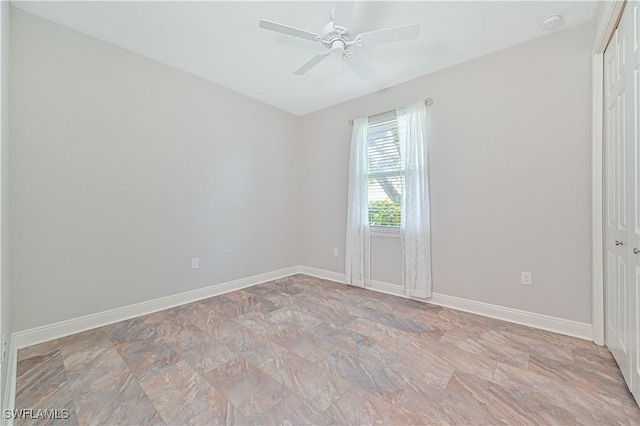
pixel 618 322
pixel 622 196
pixel 631 19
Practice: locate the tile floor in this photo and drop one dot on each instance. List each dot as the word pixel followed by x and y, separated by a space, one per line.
pixel 301 350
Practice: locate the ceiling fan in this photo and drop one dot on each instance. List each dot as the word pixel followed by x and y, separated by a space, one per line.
pixel 338 39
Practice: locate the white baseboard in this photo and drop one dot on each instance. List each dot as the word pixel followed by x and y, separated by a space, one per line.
pixel 9 401
pixel 517 316
pixel 567 327
pixel 45 333
pixel 322 273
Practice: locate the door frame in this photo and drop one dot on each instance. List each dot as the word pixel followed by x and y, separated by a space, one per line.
pixel 610 11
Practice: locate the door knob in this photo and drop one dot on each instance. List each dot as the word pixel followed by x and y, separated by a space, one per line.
pixel 636 251
pixel 619 243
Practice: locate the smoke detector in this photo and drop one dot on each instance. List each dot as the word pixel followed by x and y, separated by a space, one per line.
pixel 552 22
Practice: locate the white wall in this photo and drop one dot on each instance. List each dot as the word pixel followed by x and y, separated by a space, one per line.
pixel 124 169
pixel 510 177
pixel 4 188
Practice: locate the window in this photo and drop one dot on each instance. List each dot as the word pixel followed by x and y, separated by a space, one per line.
pixel 386 178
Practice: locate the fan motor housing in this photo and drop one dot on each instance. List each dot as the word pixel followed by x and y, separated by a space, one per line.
pixel 331 33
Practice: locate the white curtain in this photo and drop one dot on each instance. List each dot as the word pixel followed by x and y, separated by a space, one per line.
pixel 415 223
pixel 358 247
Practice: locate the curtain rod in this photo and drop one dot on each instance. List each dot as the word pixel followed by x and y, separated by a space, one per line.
pixel 427 102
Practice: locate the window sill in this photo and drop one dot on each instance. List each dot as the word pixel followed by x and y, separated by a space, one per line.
pixel 385 232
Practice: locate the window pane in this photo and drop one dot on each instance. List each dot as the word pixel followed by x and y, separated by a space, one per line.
pixel 385 173
pixel 385 196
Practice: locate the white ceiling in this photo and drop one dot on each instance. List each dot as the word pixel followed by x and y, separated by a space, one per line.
pixel 221 41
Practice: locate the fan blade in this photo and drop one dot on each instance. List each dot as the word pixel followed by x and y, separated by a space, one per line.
pixel 311 63
pixel 342 13
pixel 389 35
pixel 359 67
pixel 284 29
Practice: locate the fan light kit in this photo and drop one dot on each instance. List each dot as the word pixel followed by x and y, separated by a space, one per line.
pixel 336 38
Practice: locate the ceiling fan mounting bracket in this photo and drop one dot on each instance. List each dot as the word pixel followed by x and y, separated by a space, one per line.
pixel 341 30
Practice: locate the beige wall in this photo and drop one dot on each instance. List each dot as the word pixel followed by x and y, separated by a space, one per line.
pixel 124 169
pixel 510 177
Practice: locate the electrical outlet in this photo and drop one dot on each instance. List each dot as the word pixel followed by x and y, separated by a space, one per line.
pixel 525 278
pixel 336 252
pixel 195 263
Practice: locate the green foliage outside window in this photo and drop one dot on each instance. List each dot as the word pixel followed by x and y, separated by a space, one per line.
pixel 384 213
